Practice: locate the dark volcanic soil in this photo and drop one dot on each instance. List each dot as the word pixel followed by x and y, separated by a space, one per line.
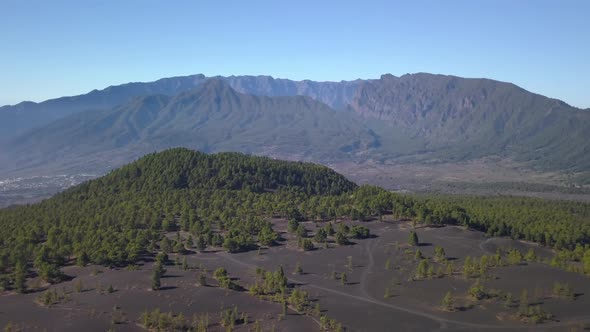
pixel 360 304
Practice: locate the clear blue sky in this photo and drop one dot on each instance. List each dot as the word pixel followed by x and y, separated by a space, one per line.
pixel 54 48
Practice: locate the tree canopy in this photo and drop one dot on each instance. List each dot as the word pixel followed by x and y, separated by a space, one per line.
pixel 226 200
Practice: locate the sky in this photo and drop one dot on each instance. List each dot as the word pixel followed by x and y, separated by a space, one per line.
pixel 57 48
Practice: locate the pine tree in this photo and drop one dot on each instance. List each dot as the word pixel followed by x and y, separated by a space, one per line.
pixel 165 245
pixel 508 301
pixel 201 243
pixel 523 305
pixel 439 254
pixel 448 302
pixel 418 255
pixel 413 239
pixel 82 259
pixel 422 269
pixel 20 277
pixel 156 280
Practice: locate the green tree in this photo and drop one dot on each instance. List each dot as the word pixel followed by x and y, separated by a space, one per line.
pixel 220 273
pixel 418 255
pixel 165 245
pixel 530 256
pixel 159 268
pixel 179 247
pixel 439 254
pixel 421 270
pixel 306 244
pixel 413 239
pixel 341 239
pixel 514 257
pixel 82 259
pixel 320 235
pixel 20 277
pixel 508 301
pixel 292 226
pixel 477 291
pixel 156 279
pixel 563 290
pixel 523 304
pixel 359 232
pixel 301 231
pixel 201 243
pixel 586 262
pixel 448 303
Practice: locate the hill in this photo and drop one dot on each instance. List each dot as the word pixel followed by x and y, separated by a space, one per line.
pixel 183 169
pixel 115 219
pixel 226 201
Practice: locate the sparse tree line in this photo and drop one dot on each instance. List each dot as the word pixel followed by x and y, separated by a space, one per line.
pixel 527 310
pixel 478 268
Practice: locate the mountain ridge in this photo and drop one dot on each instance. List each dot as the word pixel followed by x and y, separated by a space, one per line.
pixel 420 117
pixel 211 117
pixel 479 116
pixel 15 119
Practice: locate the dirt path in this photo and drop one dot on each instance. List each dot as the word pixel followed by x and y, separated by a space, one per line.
pixel 442 321
pixel 445 324
pixel 368 299
pixel 482 246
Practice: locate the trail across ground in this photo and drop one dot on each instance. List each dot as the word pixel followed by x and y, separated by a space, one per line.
pixel 367 298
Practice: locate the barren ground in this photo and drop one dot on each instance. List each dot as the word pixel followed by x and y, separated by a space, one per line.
pixel 360 304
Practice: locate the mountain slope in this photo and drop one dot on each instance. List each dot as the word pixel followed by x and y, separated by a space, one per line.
pixel 211 118
pixel 26 115
pixel 418 117
pixel 181 168
pixel 461 118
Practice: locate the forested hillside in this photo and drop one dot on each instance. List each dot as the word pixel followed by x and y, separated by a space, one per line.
pixel 225 200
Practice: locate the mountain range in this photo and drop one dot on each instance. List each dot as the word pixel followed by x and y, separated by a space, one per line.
pixel 15 119
pixel 421 117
